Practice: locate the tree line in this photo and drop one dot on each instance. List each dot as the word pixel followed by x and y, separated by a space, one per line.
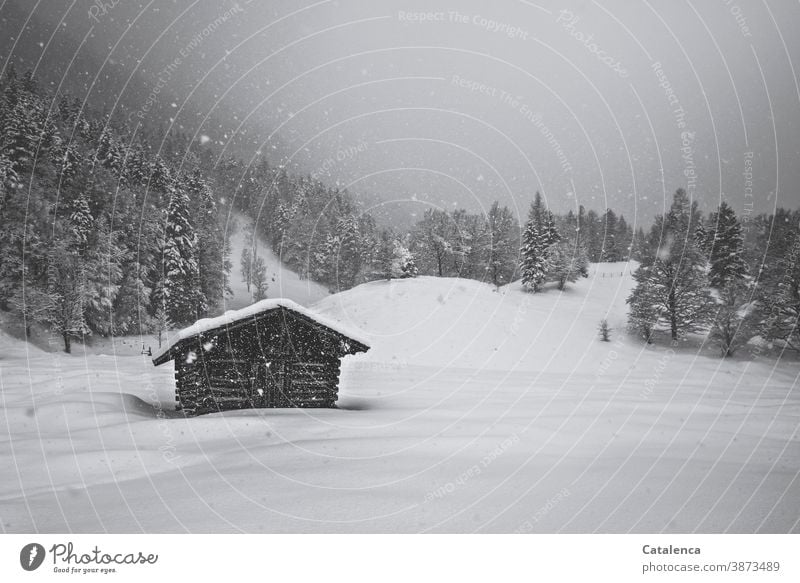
pixel 100 232
pixel 711 275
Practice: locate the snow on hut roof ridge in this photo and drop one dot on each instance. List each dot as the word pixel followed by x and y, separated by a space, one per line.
pixel 233 316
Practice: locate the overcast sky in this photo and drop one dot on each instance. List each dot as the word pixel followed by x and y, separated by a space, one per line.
pixel 458 103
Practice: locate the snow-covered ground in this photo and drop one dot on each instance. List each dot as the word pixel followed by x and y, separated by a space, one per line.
pixel 475 410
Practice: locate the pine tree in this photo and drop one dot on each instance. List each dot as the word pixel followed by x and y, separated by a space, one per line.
pixel 350 253
pixel 212 251
pixel 610 250
pixel 8 177
pixel 779 280
pixel 672 283
pixel 132 303
pixel 82 222
pixel 623 239
pixel 545 222
pixel 184 300
pixel 21 134
pixel 721 240
pixel 592 235
pixel 639 245
pixel 539 236
pixel 103 277
pixel 533 259
pixel 403 264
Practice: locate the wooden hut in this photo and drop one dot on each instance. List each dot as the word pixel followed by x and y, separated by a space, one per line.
pixel 274 353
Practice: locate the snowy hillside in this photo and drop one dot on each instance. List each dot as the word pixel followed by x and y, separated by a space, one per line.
pixel 474 410
pixel 283 282
pixel 451 322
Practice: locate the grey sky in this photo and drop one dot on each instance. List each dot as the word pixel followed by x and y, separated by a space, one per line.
pixel 460 103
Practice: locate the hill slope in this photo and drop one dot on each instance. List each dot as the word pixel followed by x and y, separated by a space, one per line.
pixel 451 322
pixel 283 282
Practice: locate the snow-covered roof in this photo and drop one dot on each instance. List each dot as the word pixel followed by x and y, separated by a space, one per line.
pixel 233 316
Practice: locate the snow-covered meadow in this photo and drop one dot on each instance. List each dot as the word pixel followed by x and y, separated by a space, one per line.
pixel 474 410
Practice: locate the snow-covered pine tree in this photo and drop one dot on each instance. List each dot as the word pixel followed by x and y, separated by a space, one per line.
pixel 184 301
pixel 639 245
pixel 403 264
pixel 720 238
pixel 779 280
pixel 624 239
pixel 132 303
pixel 137 169
pixel 548 231
pixel 159 176
pixel 592 235
pixel 103 277
pixel 533 259
pixel 545 222
pixel 21 133
pixel 212 256
pixel 109 153
pixel 673 282
pixel 8 176
pixel 350 256
pixel 722 241
pixel 538 238
pixel 610 232
pixel 81 222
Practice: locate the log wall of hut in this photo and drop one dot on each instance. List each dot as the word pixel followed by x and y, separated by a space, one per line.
pixel 277 360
